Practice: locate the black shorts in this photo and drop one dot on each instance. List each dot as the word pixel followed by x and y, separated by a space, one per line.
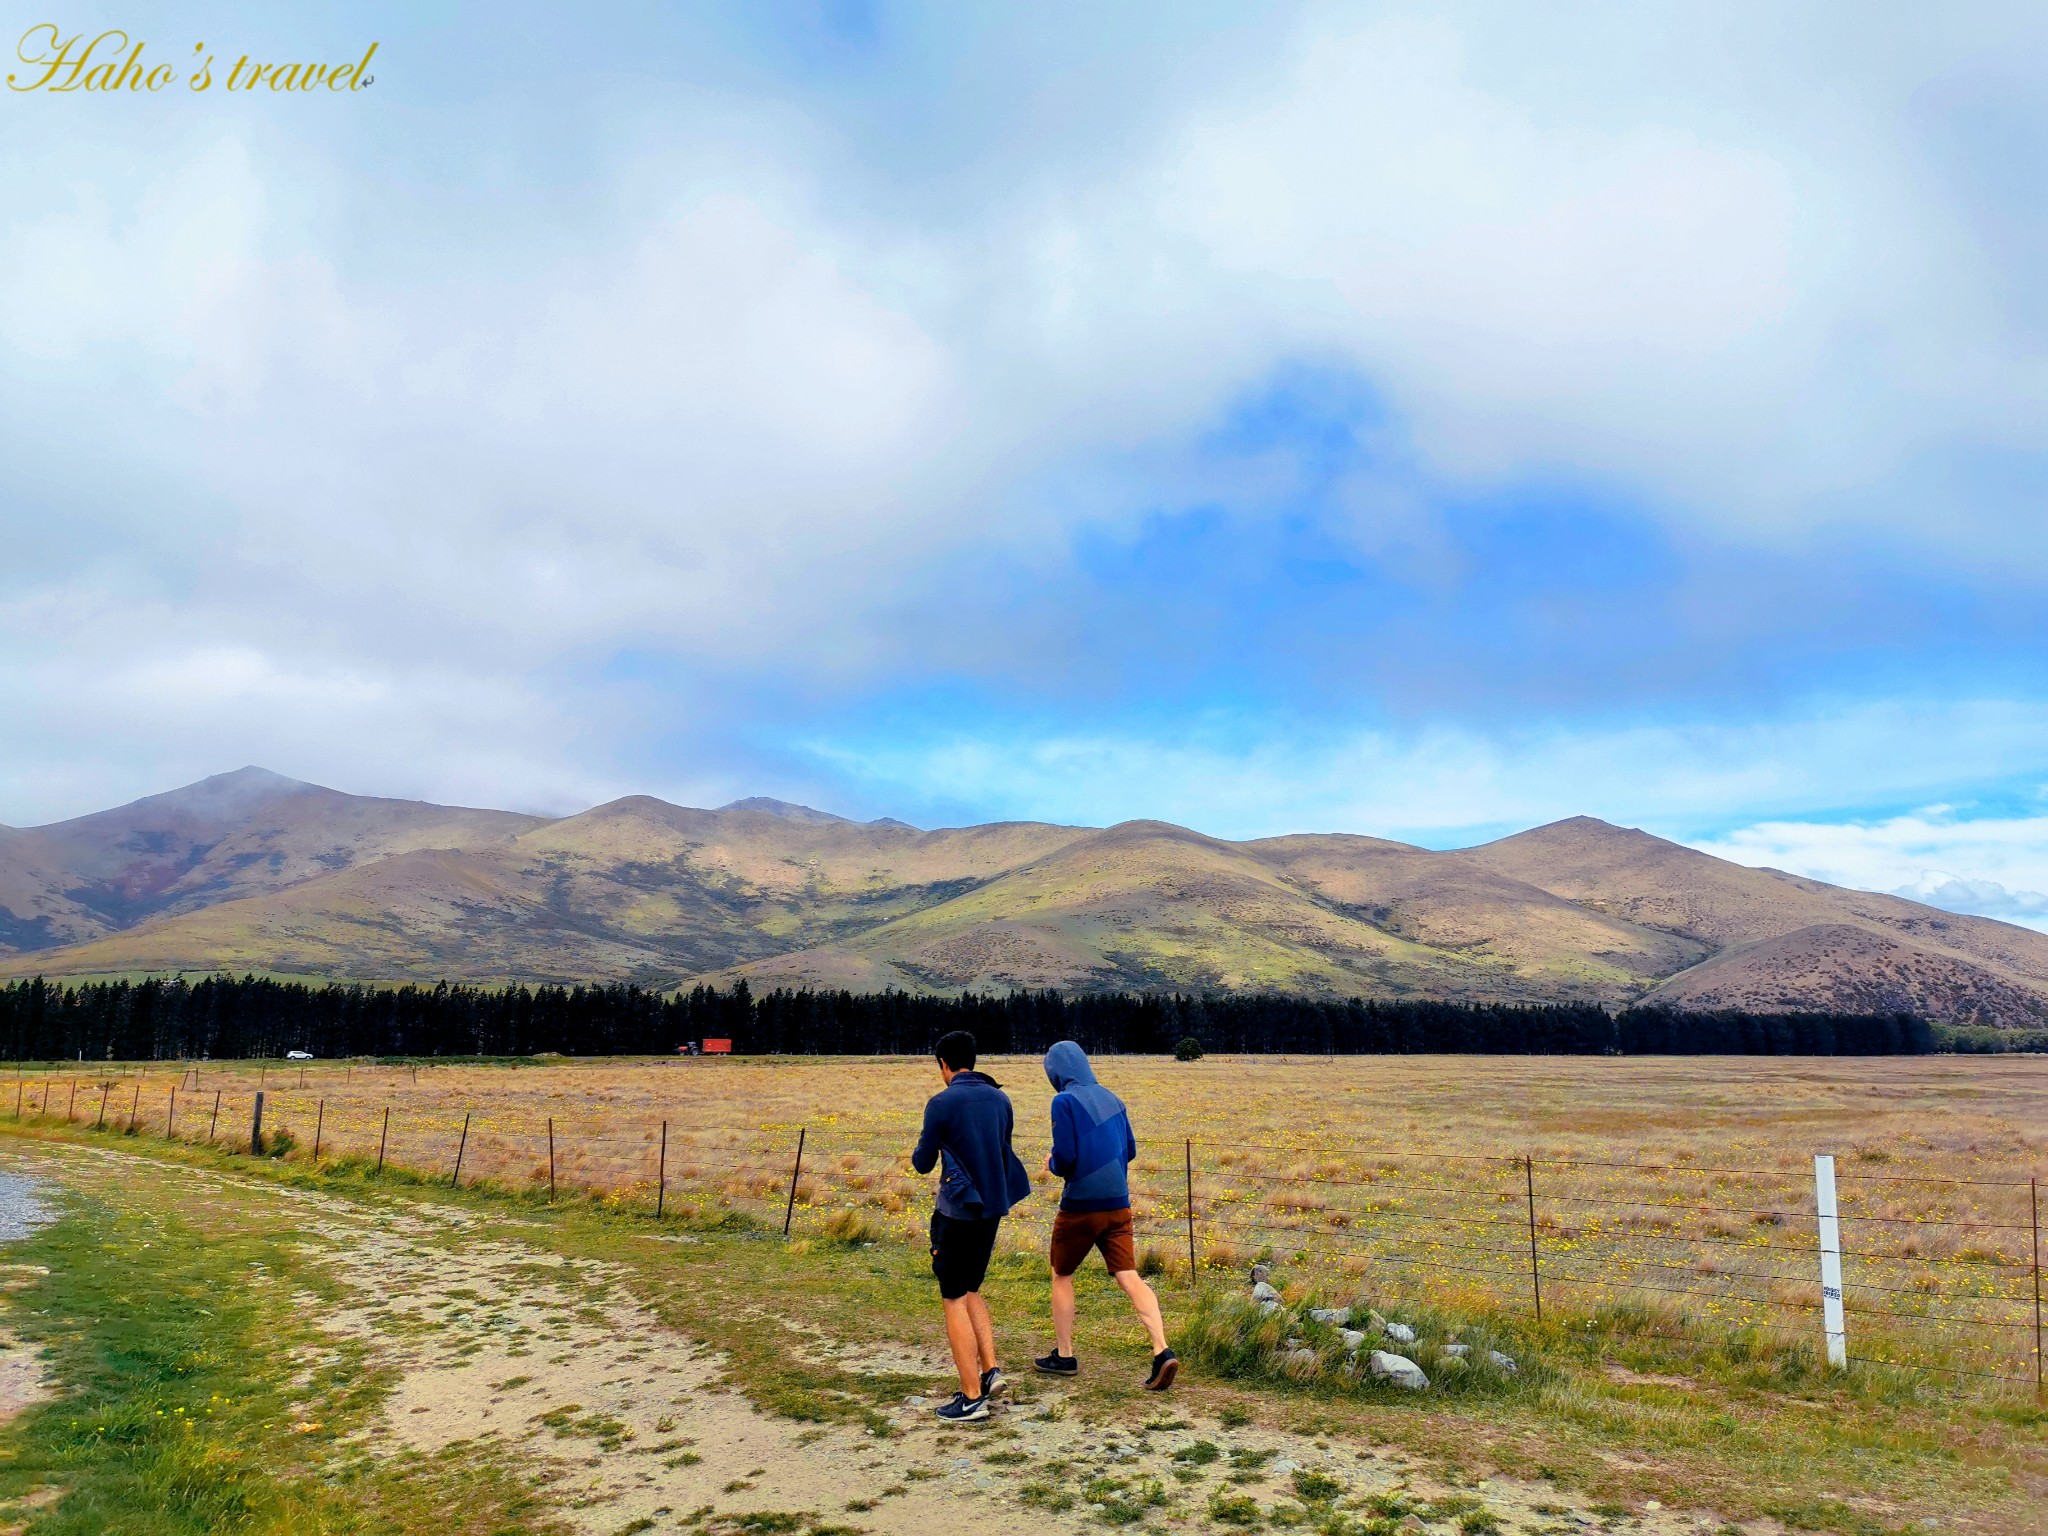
pixel 960 1253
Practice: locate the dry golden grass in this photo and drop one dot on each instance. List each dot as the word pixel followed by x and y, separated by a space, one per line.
pixel 1683 1183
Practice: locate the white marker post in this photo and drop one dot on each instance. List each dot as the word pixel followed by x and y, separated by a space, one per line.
pixel 1830 1261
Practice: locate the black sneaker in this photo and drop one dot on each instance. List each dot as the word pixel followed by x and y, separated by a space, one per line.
pixel 963 1409
pixel 1057 1364
pixel 1165 1366
pixel 993 1381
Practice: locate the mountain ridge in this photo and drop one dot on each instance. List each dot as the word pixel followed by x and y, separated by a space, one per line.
pixel 252 870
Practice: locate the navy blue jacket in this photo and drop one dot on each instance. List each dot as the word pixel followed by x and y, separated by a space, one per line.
pixel 1092 1143
pixel 968 1123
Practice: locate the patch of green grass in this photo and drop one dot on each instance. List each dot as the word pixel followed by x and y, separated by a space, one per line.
pixel 186 1407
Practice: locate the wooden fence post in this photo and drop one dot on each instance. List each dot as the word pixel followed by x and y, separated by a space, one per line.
pixel 101 1123
pixel 551 1159
pixel 455 1180
pixel 1194 1275
pixel 213 1124
pixel 134 1104
pixel 789 1210
pixel 2034 1193
pixel 319 1124
pixel 661 1176
pixel 18 1090
pixel 1535 1269
pixel 171 1118
pixel 71 1108
pixel 256 1128
pixel 383 1136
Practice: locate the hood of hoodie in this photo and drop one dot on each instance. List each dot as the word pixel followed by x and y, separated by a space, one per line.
pixel 1066 1066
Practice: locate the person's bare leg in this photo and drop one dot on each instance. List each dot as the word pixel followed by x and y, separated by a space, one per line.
pixel 966 1350
pixel 1063 1314
pixel 984 1335
pixel 1147 1306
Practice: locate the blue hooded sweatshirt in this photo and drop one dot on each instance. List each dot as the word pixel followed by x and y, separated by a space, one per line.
pixel 968 1125
pixel 1092 1144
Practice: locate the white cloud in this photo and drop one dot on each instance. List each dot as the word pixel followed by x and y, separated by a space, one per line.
pixel 1238 777
pixel 1995 866
pixel 303 431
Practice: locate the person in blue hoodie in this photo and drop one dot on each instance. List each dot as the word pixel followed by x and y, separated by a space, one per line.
pixel 1092 1148
pixel 967 1127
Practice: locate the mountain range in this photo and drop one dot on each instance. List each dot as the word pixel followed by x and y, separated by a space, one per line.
pixel 254 871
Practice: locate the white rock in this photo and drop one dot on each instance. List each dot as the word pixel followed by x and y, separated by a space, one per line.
pixel 1336 1317
pixel 1283 1468
pixel 1457 1351
pixel 1269 1307
pixel 1353 1339
pixel 1262 1290
pixel 1398 1369
pixel 1400 1333
pixel 1503 1362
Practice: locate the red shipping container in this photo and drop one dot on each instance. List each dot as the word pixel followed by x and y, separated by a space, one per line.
pixel 717 1047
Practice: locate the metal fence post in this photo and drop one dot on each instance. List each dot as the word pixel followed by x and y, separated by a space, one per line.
pixel 1535 1267
pixel 789 1210
pixel 1194 1276
pixel 661 1175
pixel 256 1128
pixel 455 1179
pixel 1830 1226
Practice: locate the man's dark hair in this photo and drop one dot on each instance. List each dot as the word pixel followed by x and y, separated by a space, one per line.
pixel 956 1050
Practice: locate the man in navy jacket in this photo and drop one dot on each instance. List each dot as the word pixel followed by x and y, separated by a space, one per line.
pixel 1092 1148
pixel 968 1127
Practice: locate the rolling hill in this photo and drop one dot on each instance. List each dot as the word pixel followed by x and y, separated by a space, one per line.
pixel 252 871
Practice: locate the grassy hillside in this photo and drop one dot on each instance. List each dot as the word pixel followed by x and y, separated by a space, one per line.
pixel 253 872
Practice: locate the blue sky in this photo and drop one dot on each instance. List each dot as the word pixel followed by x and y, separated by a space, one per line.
pixel 1417 420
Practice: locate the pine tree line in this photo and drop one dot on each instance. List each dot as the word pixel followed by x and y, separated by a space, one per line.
pixel 222 1017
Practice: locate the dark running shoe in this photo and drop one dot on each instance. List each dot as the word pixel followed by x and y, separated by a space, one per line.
pixel 1165 1366
pixel 993 1381
pixel 1057 1364
pixel 963 1409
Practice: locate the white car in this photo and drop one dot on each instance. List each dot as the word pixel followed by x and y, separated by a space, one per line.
pixel 298 1055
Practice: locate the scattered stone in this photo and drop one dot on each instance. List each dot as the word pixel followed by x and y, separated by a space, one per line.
pixel 1374 1321
pixel 1398 1369
pixel 1262 1290
pixel 914 1401
pixel 1284 1468
pixel 1503 1362
pixel 1269 1307
pixel 1353 1340
pixel 1457 1351
pixel 1336 1317
pixel 1653 1504
pixel 1300 1360
pixel 964 1464
pixel 1399 1333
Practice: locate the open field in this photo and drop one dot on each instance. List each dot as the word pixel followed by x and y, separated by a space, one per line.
pixel 1677 1359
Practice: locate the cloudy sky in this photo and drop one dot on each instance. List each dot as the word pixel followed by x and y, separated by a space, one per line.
pixel 1418 420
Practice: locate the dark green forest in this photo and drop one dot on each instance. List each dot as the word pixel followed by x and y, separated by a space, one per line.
pixel 224 1017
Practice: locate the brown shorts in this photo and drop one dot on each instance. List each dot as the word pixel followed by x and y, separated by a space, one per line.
pixel 1075 1232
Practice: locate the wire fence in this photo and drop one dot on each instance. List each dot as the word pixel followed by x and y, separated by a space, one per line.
pixel 1940 1275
